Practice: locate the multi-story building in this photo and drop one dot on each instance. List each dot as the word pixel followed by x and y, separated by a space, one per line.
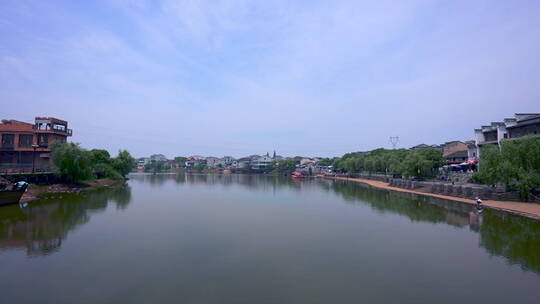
pixel 243 163
pixel 193 161
pixel 510 128
pixel 25 145
pixel 455 152
pixel 143 161
pixel 261 162
pixel 214 162
pixel 228 160
pixel 158 157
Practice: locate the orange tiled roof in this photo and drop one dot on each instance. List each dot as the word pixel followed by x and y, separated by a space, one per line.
pixel 15 125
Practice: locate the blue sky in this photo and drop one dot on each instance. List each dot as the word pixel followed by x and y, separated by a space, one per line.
pixel 245 77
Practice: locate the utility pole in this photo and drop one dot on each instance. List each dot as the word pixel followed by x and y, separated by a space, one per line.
pixel 394 140
pixel 34 158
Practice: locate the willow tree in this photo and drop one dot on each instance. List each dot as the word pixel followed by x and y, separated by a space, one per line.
pixel 516 164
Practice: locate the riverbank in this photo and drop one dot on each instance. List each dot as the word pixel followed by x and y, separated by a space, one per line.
pixel 529 210
pixel 36 193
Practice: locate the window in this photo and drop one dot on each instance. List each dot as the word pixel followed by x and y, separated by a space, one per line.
pixel 25 141
pixel 7 140
pixel 43 140
pixel 59 127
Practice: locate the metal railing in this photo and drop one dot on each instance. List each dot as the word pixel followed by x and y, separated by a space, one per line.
pixel 17 168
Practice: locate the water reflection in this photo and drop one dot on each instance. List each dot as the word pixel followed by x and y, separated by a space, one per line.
pixel 41 227
pixel 513 237
pixel 250 182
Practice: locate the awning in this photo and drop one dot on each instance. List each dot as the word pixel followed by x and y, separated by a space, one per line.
pixel 471 161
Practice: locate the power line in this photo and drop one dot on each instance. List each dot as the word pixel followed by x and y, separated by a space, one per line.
pixel 394 140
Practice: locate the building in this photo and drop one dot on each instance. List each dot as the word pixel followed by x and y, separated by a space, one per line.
pixel 455 152
pixel 25 145
pixel 419 147
pixel 522 124
pixel 228 160
pixel 261 162
pixel 143 161
pixel 193 161
pixel 243 163
pixel 158 157
pixel 214 162
pixel 471 150
pixel 424 146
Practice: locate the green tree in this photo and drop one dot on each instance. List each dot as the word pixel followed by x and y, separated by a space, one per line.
pixel 325 162
pixel 123 162
pixel 71 161
pixel 99 156
pixel 285 166
pixel 422 163
pixel 515 164
pixel 181 160
pixel 199 167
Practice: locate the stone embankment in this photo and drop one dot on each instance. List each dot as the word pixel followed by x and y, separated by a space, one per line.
pixel 457 190
pixel 457 193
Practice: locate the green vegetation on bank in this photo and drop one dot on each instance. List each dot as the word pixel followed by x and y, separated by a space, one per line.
pixel 156 166
pixel 77 164
pixel 419 163
pixel 516 164
pixel 285 166
pixel 181 160
pixel 199 167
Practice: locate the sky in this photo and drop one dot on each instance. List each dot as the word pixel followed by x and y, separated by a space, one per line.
pixel 311 78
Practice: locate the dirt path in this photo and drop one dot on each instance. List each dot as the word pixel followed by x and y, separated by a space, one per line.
pixel 530 210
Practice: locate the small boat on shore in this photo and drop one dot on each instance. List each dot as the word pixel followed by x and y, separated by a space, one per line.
pixel 11 193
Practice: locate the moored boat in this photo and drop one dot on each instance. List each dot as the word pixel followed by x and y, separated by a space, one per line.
pixel 11 193
pixel 298 174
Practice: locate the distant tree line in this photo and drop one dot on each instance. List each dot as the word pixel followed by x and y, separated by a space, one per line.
pixel 156 166
pixel 77 164
pixel 285 166
pixel 409 163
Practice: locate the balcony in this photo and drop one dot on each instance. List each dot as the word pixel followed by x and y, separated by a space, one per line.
pixel 67 132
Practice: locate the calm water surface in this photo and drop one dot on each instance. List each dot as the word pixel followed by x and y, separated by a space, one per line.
pixel 258 239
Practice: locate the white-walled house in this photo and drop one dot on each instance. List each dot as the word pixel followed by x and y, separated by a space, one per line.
pixel 213 162
pixel 261 162
pixel 522 124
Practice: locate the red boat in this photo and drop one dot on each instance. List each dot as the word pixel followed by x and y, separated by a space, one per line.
pixel 298 174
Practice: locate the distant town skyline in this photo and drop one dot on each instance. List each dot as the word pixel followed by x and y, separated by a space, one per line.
pixel 309 78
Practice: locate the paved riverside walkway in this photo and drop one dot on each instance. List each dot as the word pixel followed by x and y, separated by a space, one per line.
pixel 530 210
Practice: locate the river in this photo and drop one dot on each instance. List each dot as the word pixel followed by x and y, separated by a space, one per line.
pixel 176 238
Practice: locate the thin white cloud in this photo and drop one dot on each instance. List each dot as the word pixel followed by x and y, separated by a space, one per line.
pixel 237 77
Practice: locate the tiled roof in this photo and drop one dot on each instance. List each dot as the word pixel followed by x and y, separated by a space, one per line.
pixel 53 119
pixel 15 125
pixel 457 154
